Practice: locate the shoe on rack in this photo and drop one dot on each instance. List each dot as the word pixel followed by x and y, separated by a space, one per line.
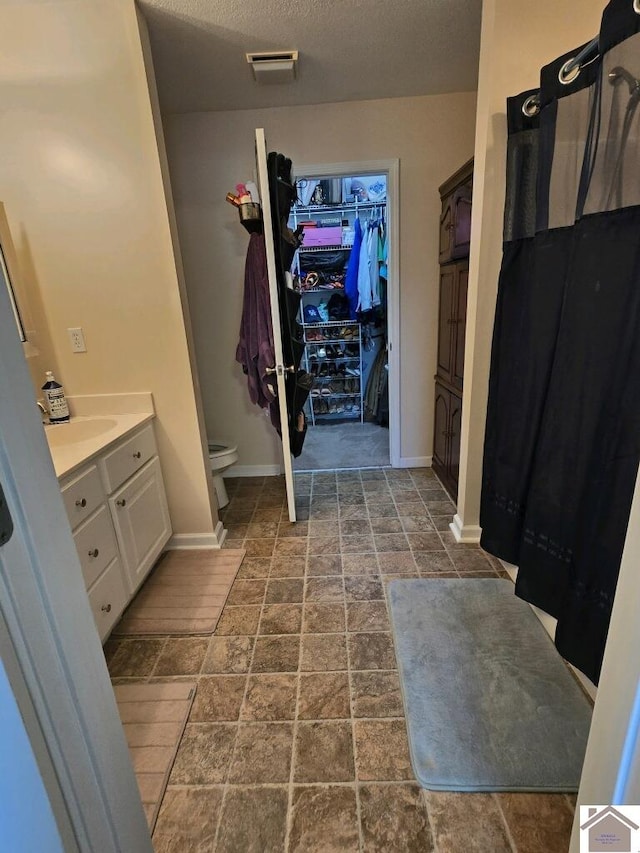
pixel 336 386
pixel 322 353
pixel 353 371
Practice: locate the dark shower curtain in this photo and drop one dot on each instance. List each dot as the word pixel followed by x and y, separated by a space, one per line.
pixel 562 439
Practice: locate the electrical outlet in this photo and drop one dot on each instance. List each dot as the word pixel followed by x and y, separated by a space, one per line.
pixel 76 337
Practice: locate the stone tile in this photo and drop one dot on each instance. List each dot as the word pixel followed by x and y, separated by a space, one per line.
pixel 321 528
pixel 355 527
pixel 439 507
pixel 254 567
pixel 324 820
pixel 228 654
pixel 295 529
pixel 233 543
pixel 371 651
pixel 276 654
pixel 284 590
pixel 323 652
pixel 324 696
pixel 367 616
pixel 538 823
pixel 386 525
pixel 281 619
pixel 360 564
pixel 247 592
pixel 323 618
pixel 270 697
pixel 330 564
pixel 218 698
pixel 262 753
pixel 287 567
pixel 463 822
pixel 425 541
pixel 266 829
pixel 290 547
pixel 441 522
pixel 188 820
pixel 267 514
pixel 450 543
pixel 324 752
pixel 182 656
pixel 325 544
pixel 376 694
pixel 353 511
pixel 382 751
pixel 398 563
pixel 433 561
pixel 135 658
pixel 239 620
pixel 416 523
pixel 471 561
pixel 394 820
pixel 391 542
pixel 490 573
pixel 357 544
pixel 323 511
pixel 411 508
pixel 238 531
pixel 262 530
pixel 259 547
pixel 324 589
pixel 204 754
pixel 382 510
pixel 362 589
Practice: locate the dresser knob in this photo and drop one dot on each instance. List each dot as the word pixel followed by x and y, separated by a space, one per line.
pixel 106 608
pixel 94 553
pixel 137 455
pixel 81 502
pixel 121 502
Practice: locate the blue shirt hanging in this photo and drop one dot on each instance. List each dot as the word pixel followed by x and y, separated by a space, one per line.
pixel 351 282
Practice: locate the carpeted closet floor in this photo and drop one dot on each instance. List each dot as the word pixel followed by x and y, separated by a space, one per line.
pixel 296 739
pixel 350 445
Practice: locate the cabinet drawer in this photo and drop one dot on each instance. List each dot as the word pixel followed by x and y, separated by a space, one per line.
pixel 82 495
pixel 108 598
pixel 96 544
pixel 119 464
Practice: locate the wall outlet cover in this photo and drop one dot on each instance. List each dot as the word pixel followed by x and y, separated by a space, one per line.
pixel 76 336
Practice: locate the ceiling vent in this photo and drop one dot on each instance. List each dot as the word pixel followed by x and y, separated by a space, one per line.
pixel 272 67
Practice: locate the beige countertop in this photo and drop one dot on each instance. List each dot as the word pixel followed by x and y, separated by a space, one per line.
pixel 75 443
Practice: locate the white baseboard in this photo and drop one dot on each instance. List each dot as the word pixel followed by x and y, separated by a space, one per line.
pixel 415 462
pixel 192 541
pixel 253 471
pixel 466 534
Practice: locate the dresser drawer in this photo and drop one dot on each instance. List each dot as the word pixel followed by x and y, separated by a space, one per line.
pixel 82 495
pixel 119 464
pixel 96 544
pixel 108 598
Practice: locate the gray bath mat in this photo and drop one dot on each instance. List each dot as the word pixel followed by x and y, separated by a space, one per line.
pixel 490 705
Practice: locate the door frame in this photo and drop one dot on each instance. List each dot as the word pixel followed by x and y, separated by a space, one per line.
pixel 391 168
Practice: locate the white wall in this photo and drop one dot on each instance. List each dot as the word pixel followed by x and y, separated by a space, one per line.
pixel 210 152
pixel 81 181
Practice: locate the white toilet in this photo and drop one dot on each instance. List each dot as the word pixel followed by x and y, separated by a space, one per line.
pixel 221 456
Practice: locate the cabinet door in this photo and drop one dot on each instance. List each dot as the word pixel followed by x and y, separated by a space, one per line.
pixel 459 325
pixel 141 520
pixel 461 231
pixel 441 427
pixel 455 428
pixel 445 320
pixel 446 227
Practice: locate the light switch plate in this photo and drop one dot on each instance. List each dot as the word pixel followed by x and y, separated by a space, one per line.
pixel 76 337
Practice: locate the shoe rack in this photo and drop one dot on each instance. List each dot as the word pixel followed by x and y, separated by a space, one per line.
pixel 333 355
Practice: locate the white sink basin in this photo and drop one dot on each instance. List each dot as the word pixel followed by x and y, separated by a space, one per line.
pixel 59 435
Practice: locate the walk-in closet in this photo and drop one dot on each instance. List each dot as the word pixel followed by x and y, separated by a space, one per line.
pixel 341 270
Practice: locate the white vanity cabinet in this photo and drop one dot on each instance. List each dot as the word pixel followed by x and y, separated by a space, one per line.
pixel 117 508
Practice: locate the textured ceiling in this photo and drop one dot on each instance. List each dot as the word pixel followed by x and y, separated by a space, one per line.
pixel 349 50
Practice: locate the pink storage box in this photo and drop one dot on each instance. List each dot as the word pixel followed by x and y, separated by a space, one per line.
pixel 322 237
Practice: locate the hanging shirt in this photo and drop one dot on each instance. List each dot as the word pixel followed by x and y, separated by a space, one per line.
pixel 374 269
pixel 351 281
pixel 364 280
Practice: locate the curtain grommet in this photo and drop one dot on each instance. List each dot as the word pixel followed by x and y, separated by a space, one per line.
pixel 531 106
pixel 570 71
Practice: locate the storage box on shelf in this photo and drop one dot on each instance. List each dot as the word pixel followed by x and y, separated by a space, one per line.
pixel 333 354
pixel 117 509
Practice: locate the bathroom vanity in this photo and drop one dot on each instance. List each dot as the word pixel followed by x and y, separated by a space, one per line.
pixel 113 492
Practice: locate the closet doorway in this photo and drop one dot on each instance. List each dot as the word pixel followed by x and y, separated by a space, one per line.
pixel 347 273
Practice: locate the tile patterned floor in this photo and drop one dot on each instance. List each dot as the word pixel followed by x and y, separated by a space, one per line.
pixel 296 740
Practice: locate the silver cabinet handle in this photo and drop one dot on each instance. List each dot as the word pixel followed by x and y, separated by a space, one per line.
pixel 94 552
pixel 81 502
pixel 121 502
pixel 106 608
pixel 137 455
